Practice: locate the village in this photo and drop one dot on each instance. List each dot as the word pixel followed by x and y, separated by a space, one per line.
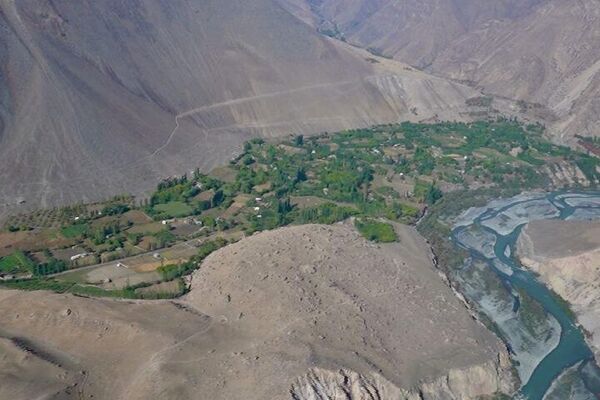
pixel 145 247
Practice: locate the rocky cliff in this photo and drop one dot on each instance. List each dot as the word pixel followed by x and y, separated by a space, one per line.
pixel 471 383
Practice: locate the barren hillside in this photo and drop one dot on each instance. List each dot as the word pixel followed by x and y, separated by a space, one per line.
pixel 298 313
pixel 417 32
pixel 540 51
pixel 566 254
pixel 104 97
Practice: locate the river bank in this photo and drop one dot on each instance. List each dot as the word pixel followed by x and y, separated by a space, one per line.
pixel 541 334
pixel 566 255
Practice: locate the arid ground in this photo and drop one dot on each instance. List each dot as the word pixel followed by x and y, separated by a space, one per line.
pixel 290 313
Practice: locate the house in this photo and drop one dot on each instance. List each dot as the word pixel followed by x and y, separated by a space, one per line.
pixel 6 277
pixel 193 221
pixel 78 256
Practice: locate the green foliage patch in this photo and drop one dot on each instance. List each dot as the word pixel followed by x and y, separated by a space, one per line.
pixel 328 213
pixel 75 230
pixel 376 231
pixel 58 286
pixel 389 172
pixel 17 262
pixel 173 209
pixel 172 271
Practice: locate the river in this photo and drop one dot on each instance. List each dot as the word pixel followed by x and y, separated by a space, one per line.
pixel 551 356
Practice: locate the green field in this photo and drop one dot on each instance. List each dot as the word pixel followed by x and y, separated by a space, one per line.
pixel 173 209
pixel 74 231
pixel 376 231
pixel 17 262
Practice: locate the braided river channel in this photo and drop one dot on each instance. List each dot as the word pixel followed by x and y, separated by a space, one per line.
pixel 549 350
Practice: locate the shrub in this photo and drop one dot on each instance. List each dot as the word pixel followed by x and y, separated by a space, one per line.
pixel 116 209
pixel 376 231
pixel 328 213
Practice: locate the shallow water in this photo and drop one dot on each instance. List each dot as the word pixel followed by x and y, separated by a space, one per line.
pixel 549 350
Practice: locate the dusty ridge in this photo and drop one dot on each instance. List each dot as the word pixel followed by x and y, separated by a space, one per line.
pixel 295 313
pixel 322 297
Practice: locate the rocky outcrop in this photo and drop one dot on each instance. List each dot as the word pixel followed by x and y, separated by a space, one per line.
pixel 471 383
pixel 466 384
pixel 344 385
pixel 379 321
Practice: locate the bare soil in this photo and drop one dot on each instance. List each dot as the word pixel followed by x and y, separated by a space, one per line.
pixel 261 313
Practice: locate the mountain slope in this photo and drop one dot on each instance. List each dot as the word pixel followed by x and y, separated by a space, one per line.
pixel 540 51
pixel 551 56
pixel 103 97
pixel 417 32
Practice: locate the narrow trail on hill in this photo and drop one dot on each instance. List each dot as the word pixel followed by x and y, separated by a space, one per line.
pixel 280 329
pixel 242 100
pixel 209 107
